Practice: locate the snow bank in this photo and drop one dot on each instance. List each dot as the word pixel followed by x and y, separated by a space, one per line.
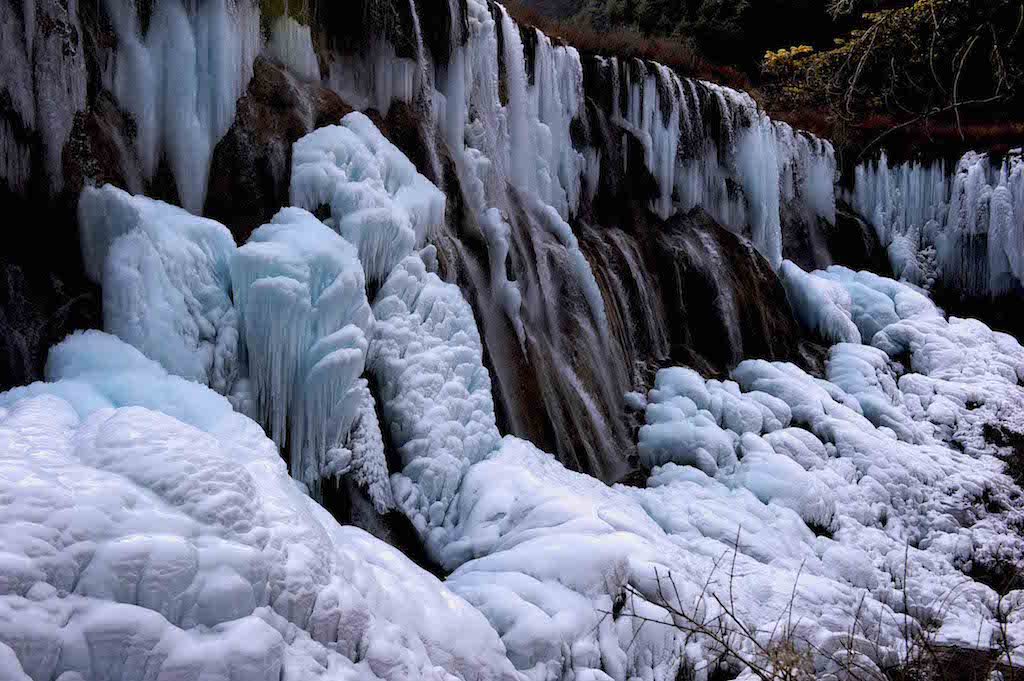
pixel 166 282
pixel 377 199
pixel 137 544
pixel 301 298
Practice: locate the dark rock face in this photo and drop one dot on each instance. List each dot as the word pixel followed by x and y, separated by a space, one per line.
pixel 850 242
pixel 251 166
pixel 725 300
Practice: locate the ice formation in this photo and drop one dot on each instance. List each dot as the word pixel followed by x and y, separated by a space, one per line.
pixel 435 393
pixel 148 528
pixel 166 282
pixel 699 138
pixel 138 545
pixel 291 44
pixel 825 483
pixel 180 81
pixel 301 299
pixel 46 86
pixel 377 199
pixel 965 227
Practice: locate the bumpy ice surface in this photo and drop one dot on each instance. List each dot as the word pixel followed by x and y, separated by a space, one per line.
pixel 150 531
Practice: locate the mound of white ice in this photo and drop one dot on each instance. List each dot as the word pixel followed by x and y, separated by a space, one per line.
pixel 377 199
pixel 435 392
pixel 166 282
pixel 137 545
pixel 301 296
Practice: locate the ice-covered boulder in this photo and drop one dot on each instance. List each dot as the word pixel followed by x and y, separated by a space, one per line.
pixel 434 390
pixel 166 282
pixel 377 199
pixel 139 544
pixel 301 298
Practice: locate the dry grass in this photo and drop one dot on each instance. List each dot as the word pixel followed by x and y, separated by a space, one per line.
pixel 627 43
pixel 786 654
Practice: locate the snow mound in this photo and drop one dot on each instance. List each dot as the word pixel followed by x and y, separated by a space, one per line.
pixel 166 282
pixel 301 297
pixel 434 391
pixel 137 545
pixel 377 199
pixel 715 428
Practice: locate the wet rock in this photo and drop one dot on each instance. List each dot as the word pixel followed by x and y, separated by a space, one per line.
pixel 251 166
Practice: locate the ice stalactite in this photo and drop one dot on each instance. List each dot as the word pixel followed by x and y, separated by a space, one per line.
pixel 301 298
pixel 45 87
pixel 180 80
pixel 962 225
pixel 291 44
pixel 710 146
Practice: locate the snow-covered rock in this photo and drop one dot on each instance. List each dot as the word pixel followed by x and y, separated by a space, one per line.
pixel 166 282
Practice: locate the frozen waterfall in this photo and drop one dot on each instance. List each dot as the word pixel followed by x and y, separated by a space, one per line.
pixel 960 224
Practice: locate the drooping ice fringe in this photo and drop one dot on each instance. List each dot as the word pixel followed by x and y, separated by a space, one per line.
pixel 301 295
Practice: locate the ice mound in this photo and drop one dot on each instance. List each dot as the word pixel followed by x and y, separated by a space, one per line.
pixel 717 429
pixel 434 391
pixel 137 545
pixel 301 297
pixel 831 495
pixel 377 199
pixel 166 282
